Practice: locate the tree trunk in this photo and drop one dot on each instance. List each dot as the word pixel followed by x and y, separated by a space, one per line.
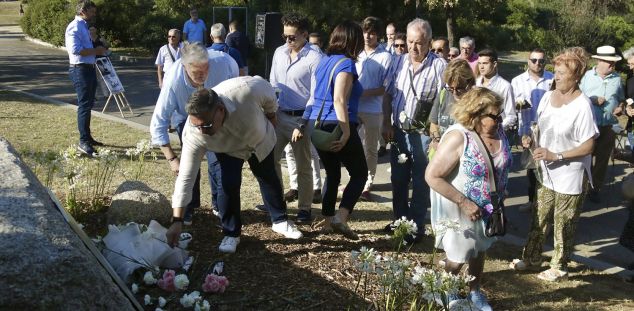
pixel 450 26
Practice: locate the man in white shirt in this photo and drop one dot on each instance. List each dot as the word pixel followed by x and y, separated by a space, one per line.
pixel 236 120
pixel 293 73
pixel 390 32
pixel 373 67
pixel 529 88
pixel 187 74
pixel 487 76
pixel 168 54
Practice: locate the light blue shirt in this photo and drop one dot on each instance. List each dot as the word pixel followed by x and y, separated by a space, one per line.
pixel 427 81
pixel 373 69
pixel 295 79
pixel 593 86
pixel 78 39
pixel 526 88
pixel 177 89
pixel 195 31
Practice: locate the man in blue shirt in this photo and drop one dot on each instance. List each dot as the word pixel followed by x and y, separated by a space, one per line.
pixel 236 39
pixel 196 68
pixel 81 55
pixel 603 85
pixel 194 29
pixel 293 73
pixel 217 33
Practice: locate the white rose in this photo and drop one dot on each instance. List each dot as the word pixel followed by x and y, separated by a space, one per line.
pixel 148 300
pixel 202 306
pixel 189 300
pixel 149 278
pixel 135 288
pixel 181 282
pixel 402 158
pixel 629 101
pixel 162 302
pixel 402 117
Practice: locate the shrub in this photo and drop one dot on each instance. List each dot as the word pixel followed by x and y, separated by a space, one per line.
pixel 47 20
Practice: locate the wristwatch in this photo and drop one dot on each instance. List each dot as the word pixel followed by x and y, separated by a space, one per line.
pixel 560 157
pixel 301 127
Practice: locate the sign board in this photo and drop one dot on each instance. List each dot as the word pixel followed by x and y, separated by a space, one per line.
pixel 109 75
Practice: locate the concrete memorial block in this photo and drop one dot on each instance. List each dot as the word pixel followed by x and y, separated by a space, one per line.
pixel 44 264
pixel 135 201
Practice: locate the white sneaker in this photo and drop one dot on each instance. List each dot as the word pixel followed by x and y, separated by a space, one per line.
pixel 229 244
pixel 288 229
pixel 526 207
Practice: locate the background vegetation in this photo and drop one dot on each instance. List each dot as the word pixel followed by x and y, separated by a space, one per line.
pixel 499 24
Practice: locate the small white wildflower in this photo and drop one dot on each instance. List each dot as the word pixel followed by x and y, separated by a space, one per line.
pixel 202 306
pixel 181 281
pixel 134 288
pixel 147 299
pixel 402 158
pixel 161 301
pixel 149 278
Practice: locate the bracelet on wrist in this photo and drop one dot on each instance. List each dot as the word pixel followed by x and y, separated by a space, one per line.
pixel 172 159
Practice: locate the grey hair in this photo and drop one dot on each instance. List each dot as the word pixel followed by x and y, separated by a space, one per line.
pixel 467 40
pixel 629 53
pixel 83 6
pixel 454 49
pixel 218 31
pixel 201 101
pixel 421 25
pixel 175 31
pixel 194 53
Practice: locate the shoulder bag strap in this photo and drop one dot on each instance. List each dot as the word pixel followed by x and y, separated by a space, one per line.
pixel 488 159
pixel 323 101
pixel 170 51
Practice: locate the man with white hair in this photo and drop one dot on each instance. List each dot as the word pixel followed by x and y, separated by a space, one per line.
pixel 168 54
pixel 467 52
pixel 416 81
pixel 602 84
pixel 188 74
pixel 218 34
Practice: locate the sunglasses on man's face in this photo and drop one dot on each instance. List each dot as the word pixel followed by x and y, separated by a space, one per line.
pixel 290 38
pixel 540 61
pixel 402 45
pixel 202 127
pixel 452 55
pixel 436 50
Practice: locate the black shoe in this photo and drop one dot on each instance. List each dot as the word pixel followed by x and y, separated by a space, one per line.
pixel 95 143
pixel 86 148
pixel 304 216
pixel 290 195
pixel 261 208
pixel 317 196
pixel 382 152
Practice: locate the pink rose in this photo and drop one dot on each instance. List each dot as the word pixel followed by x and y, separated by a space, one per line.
pixel 215 284
pixel 167 282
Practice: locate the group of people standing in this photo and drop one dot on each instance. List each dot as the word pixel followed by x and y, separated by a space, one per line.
pixel 446 113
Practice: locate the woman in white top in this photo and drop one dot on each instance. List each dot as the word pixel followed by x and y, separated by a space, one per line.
pixel 461 196
pixel 565 140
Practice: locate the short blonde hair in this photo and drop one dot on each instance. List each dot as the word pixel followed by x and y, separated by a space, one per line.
pixel 575 59
pixel 474 104
pixel 459 72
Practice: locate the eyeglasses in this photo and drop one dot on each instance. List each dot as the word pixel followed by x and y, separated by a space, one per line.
pixel 457 90
pixel 290 38
pixel 400 45
pixel 541 61
pixel 496 117
pixel 452 55
pixel 201 127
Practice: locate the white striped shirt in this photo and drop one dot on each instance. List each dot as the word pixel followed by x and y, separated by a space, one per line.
pixel 427 81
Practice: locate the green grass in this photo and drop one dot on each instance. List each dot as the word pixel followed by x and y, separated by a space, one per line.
pixel 9 13
pixel 34 126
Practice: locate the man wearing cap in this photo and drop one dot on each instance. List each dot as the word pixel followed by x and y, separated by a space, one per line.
pixel 602 84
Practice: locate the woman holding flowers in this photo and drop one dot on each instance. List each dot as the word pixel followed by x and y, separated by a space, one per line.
pixel 565 140
pixel 461 195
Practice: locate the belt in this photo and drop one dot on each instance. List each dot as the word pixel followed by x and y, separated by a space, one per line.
pixel 294 113
pixel 82 65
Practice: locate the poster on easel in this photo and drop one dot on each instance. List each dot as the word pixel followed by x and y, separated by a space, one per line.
pixel 109 75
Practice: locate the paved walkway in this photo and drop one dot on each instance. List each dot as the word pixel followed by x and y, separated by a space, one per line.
pixel 44 71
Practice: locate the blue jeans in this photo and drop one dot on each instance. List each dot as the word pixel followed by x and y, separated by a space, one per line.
pixel 353 159
pixel 414 145
pixel 84 80
pixel 229 195
pixel 213 169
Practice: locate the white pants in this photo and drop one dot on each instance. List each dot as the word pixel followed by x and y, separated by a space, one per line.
pixel 370 131
pixel 292 167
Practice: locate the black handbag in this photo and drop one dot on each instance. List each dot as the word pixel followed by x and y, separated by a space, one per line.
pixel 496 226
pixel 321 139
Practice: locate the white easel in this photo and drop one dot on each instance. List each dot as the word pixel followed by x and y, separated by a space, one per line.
pixel 109 76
